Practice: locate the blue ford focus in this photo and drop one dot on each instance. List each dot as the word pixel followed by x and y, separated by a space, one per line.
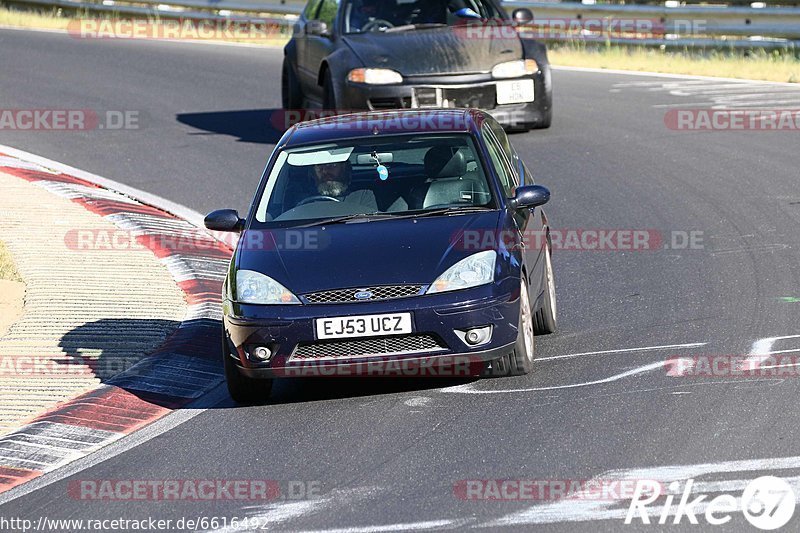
pixel 398 243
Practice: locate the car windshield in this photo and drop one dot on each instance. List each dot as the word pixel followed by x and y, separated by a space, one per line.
pixel 375 177
pixel 396 15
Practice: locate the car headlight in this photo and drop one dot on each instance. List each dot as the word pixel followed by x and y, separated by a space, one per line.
pixel 472 271
pixel 255 288
pixel 374 76
pixel 515 69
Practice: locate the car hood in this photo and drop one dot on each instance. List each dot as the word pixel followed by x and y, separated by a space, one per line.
pixel 451 50
pixel 363 254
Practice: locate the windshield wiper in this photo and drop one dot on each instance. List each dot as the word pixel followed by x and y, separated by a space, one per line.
pixel 422 26
pixel 366 217
pixel 452 210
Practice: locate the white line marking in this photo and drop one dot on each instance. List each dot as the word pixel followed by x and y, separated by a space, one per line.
pixel 764 346
pixel 576 509
pixel 762 349
pixel 468 388
pixel 645 349
pixel 417 401
pixel 673 76
pixel 779 366
pixel 413 526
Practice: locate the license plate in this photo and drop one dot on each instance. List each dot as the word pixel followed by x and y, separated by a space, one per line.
pixel 515 91
pixel 363 326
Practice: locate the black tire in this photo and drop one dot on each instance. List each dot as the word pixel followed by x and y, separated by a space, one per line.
pixel 545 321
pixel 328 92
pixel 520 361
pixel 546 122
pixel 291 93
pixel 243 390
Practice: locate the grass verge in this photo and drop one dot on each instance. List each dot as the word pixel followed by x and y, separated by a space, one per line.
pixel 26 19
pixel 756 65
pixel 8 271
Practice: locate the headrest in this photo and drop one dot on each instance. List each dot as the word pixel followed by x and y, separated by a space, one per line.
pixel 445 162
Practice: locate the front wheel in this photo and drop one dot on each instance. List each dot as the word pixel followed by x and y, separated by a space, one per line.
pixel 520 361
pixel 244 390
pixel 545 321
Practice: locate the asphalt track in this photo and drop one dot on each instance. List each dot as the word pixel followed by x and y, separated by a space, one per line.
pixel 388 454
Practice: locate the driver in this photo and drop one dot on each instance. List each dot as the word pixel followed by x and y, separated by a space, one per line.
pixel 365 11
pixel 333 180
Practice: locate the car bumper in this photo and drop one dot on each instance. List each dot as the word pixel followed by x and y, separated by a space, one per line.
pixel 288 331
pixel 455 91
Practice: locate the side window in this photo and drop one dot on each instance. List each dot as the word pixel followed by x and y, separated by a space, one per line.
pixel 327 13
pixel 310 11
pixel 499 161
pixel 501 137
pixel 508 151
pixel 522 169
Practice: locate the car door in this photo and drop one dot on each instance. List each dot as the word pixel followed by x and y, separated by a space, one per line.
pixel 320 45
pixel 507 164
pixel 305 73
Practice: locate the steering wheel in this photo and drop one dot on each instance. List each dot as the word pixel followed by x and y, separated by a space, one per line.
pixel 369 26
pixel 318 198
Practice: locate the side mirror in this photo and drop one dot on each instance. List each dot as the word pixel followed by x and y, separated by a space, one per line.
pixel 224 220
pixel 522 16
pixel 318 28
pixel 530 196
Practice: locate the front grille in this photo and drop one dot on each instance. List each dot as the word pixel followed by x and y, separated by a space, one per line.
pixel 481 97
pixel 388 292
pixel 367 347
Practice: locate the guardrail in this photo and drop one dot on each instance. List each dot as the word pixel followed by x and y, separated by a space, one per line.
pixel 684 26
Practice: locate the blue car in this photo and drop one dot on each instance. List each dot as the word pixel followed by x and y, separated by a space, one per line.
pixel 402 243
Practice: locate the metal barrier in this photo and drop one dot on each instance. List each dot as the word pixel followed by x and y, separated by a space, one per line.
pixel 684 26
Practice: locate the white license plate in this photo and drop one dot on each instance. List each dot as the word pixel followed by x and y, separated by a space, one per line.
pixel 515 91
pixel 363 326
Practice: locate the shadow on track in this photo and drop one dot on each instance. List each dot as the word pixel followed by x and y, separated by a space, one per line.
pixel 297 390
pixel 111 346
pixel 188 363
pixel 251 126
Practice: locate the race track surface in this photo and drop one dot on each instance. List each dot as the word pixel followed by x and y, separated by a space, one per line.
pixel 388 453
